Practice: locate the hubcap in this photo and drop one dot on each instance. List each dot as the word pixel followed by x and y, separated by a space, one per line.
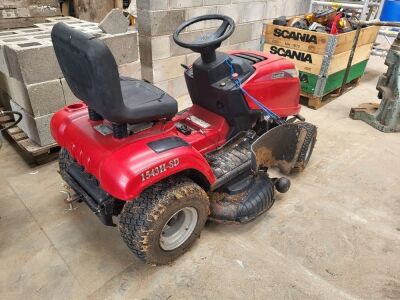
pixel 178 228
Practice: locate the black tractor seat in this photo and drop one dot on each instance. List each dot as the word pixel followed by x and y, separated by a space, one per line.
pixel 145 102
pixel 92 74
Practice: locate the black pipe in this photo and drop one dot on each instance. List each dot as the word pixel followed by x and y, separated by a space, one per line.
pixel 9 112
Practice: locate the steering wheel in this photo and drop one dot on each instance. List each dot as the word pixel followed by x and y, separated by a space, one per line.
pixel 206 45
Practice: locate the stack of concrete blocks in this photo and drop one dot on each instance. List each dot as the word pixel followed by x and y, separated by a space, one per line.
pixel 157 20
pixel 31 79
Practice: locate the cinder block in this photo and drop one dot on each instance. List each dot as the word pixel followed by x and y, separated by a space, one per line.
pixel 168 68
pixel 160 47
pixel 114 22
pixel 84 26
pixel 257 30
pixel 199 11
pixel 292 8
pixel 32 62
pixel 184 3
pixel 274 9
pixel 37 99
pixel 216 2
pixel 37 129
pixel 234 11
pixel 250 45
pixel 15 37
pixel 303 6
pixel 132 70
pixel 154 48
pixel 60 19
pixel 146 50
pixel 252 11
pixel 230 48
pixel 152 4
pixel 147 72
pixel 175 87
pixel 4 82
pixel 244 1
pixel 154 23
pixel 242 33
pixel 68 94
pixel 123 46
pixel 5 100
pixel 33 30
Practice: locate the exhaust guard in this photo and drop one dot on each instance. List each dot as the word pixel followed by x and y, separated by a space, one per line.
pixel 281 146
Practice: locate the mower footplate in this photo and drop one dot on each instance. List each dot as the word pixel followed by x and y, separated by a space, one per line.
pixel 244 206
pixel 231 161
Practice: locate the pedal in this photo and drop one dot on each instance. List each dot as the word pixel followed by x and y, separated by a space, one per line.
pixel 251 134
pixel 71 197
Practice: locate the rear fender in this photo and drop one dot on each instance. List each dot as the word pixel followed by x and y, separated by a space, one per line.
pixel 126 175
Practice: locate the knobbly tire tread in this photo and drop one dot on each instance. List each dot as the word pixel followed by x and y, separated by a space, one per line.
pixel 143 219
pixel 302 160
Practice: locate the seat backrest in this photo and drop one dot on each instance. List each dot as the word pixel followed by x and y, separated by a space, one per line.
pixel 89 69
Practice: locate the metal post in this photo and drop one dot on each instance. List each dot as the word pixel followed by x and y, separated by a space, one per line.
pixel 364 11
pixel 350 61
pixel 379 12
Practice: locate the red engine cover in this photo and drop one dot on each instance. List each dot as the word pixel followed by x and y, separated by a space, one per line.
pixel 272 85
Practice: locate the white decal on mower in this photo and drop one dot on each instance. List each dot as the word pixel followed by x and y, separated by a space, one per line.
pixel 199 122
pixel 160 169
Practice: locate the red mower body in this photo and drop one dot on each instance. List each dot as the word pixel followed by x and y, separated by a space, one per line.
pixel 125 167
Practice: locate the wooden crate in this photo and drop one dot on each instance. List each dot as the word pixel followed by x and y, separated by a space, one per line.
pixel 316 102
pixel 321 58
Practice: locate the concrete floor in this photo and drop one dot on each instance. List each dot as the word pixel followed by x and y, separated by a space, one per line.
pixel 335 235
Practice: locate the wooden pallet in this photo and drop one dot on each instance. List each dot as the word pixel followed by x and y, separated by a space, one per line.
pixel 28 149
pixel 316 102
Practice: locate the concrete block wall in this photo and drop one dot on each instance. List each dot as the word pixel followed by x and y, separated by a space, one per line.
pixel 31 77
pixel 157 20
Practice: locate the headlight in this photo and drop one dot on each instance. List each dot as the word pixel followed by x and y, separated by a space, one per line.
pixel 294 73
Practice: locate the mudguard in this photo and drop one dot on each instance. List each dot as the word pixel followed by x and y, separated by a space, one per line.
pixel 127 173
pixel 281 147
pixel 125 167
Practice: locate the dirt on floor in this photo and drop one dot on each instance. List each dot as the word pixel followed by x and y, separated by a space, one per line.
pixel 334 235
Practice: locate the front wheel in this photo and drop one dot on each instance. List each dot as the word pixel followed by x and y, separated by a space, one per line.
pixel 165 220
pixel 307 147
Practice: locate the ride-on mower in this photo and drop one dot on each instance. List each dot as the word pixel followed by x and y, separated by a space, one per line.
pixel 127 151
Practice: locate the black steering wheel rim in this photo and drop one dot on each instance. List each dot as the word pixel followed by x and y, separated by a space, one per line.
pixel 222 33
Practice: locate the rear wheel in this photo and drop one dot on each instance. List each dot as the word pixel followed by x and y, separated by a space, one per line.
pixel 307 148
pixel 165 220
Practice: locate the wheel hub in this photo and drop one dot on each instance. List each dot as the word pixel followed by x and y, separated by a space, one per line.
pixel 178 228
